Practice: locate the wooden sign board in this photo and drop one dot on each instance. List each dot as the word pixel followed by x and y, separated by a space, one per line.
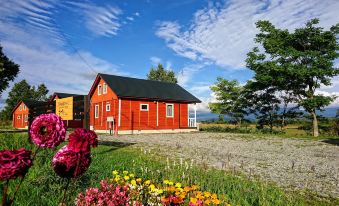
pixel 64 108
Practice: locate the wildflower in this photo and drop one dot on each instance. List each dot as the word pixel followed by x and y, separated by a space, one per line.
pixel 194 187
pixel 117 178
pixel 216 201
pixel 82 139
pixel 207 194
pixel 131 175
pixel 166 182
pixel 14 163
pixel 160 191
pixel 133 182
pixel 170 183
pixel 152 187
pixel 67 163
pixel 214 196
pixel 125 172
pixel 147 182
pixel 115 172
pixel 178 185
pixel 47 130
pixel 126 177
pixel 193 200
pixel 139 180
pixel 187 189
pixel 207 202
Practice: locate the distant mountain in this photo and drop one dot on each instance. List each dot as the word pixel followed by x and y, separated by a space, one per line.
pixel 203 116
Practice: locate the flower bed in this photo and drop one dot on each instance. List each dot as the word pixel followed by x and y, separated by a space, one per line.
pixel 127 189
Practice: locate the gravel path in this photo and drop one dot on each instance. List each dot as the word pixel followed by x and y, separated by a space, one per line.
pixel 291 163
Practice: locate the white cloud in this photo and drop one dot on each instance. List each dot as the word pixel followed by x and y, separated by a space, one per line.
pixel 186 74
pixel 155 60
pixel 137 14
pixel 100 20
pixel 224 34
pixel 130 18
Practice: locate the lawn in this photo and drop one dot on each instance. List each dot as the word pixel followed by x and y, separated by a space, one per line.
pixel 43 187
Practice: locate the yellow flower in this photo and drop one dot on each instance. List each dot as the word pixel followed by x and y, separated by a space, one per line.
pixel 131 175
pixel 187 189
pixel 126 177
pixel 160 191
pixel 115 172
pixel 207 194
pixel 216 201
pixel 207 202
pixel 194 187
pixel 170 183
pixel 117 178
pixel 139 180
pixel 193 200
pixel 178 185
pixel 125 172
pixel 133 182
pixel 214 196
pixel 147 182
pixel 166 182
pixel 152 188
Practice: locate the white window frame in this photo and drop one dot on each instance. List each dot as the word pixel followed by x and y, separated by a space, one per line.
pixel 26 117
pixel 172 110
pixel 19 117
pixel 104 88
pixel 109 107
pixel 24 107
pixel 96 111
pixel 144 110
pixel 99 89
pixel 20 108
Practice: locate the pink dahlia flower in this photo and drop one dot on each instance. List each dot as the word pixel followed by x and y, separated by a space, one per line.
pixel 14 163
pixel 47 130
pixel 82 139
pixel 70 164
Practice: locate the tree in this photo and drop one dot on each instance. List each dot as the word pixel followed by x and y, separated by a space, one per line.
pixel 20 91
pixel 230 100
pixel 8 71
pixel 161 74
pixel 298 62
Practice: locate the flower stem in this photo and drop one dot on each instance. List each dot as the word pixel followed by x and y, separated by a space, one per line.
pixel 22 178
pixel 4 194
pixel 65 191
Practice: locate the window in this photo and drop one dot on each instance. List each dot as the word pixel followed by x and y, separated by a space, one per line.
pixel 96 111
pixel 19 117
pixel 143 107
pixel 104 89
pixel 169 110
pixel 26 117
pixel 20 107
pixel 99 89
pixel 24 107
pixel 108 107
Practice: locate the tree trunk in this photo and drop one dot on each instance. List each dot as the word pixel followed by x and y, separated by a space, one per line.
pixel 315 125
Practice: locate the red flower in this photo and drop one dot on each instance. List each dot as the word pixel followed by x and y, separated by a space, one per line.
pixel 81 140
pixel 69 164
pixel 14 163
pixel 47 130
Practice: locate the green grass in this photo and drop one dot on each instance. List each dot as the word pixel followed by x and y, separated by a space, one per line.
pixel 43 187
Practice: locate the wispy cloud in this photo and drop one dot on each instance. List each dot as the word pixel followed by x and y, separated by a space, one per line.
pixel 100 20
pixel 224 34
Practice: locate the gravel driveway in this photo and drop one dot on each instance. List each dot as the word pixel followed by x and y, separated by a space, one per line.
pixel 291 163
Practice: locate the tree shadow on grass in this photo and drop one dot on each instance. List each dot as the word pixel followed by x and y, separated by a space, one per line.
pixel 334 141
pixel 113 145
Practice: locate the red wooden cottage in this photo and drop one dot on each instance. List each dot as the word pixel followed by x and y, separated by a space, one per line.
pixel 130 105
pixel 21 112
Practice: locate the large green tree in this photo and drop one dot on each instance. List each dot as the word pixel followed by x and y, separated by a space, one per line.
pixel 8 71
pixel 23 90
pixel 161 74
pixel 297 62
pixel 230 100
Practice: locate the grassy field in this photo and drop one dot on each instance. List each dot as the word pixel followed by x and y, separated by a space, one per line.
pixel 43 187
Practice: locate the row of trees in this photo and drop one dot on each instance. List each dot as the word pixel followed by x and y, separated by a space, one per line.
pixel 289 68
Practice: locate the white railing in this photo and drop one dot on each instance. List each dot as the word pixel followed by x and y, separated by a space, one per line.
pixel 192 122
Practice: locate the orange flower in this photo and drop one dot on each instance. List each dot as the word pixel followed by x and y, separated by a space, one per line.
pixel 178 200
pixel 194 187
pixel 207 202
pixel 193 200
pixel 165 200
pixel 214 196
pixel 187 189
pixel 215 201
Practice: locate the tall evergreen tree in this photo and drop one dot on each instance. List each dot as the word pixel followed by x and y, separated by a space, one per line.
pixel 8 71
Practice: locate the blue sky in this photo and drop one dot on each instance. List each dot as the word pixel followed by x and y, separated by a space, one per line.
pixel 65 43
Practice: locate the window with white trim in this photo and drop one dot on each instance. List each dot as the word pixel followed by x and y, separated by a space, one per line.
pixel 20 108
pixel 169 110
pixel 24 107
pixel 99 89
pixel 108 107
pixel 104 88
pixel 26 117
pixel 143 107
pixel 19 117
pixel 96 111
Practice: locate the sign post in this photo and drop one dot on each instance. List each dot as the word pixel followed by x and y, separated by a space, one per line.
pixel 64 108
